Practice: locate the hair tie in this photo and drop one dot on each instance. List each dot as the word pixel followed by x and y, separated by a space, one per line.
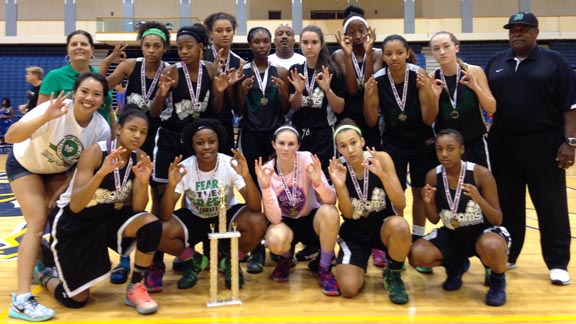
pixel 154 31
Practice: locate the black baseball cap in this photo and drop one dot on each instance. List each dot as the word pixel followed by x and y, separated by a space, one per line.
pixel 522 18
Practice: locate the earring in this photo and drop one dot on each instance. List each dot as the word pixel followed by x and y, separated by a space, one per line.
pixel 92 58
pixel 67 58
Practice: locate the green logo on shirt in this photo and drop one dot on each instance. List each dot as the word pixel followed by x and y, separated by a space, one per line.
pixel 69 149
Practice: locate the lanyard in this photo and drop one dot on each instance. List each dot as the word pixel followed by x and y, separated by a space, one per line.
pixel 195 97
pixel 120 185
pixel 453 204
pixel 147 94
pixel 401 102
pixel 359 71
pixel 309 84
pixel 290 195
pixel 261 82
pixel 452 101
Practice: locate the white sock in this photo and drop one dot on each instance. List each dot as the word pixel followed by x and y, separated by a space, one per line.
pixel 418 230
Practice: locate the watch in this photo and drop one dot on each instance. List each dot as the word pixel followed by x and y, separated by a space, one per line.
pixel 571 141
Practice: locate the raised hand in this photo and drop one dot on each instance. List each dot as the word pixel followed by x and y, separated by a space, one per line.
pixel 143 169
pixel 345 44
pixel 282 86
pixel 370 87
pixel 239 164
pixel 234 76
pixel 113 161
pixel 263 173
pixel 337 172
pixel 471 191
pixel 436 85
pixel 165 83
pixel 246 85
pixel 428 193
pixel 57 106
pixel 324 78
pixel 369 39
pixel 118 53
pixel 176 172
pixel 373 163
pixel 469 80
pixel 314 170
pixel 220 82
pixel 297 80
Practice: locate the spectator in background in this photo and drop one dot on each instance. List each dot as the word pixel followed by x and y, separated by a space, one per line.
pixel 120 98
pixel 284 45
pixel 6 114
pixel 34 76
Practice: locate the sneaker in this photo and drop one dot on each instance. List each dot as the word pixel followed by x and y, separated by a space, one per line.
pixel 154 282
pixel 192 267
pixel 227 267
pixel 496 295
pixel 137 296
pixel 43 274
pixel 257 259
pixel 395 286
pixel 29 310
pixel 454 272
pixel 328 282
pixel 177 265
pixel 511 266
pixel 46 254
pixel 309 252
pixel 282 270
pixel 559 277
pixel 425 270
pixel 120 272
pixel 379 258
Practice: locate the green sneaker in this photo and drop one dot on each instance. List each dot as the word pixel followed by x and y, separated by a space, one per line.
pixel 227 268
pixel 425 270
pixel 395 286
pixel 487 276
pixel 191 268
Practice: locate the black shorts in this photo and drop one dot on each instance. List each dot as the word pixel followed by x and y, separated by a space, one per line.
pixel 421 160
pixel 319 141
pixel 168 146
pixel 254 145
pixel 356 250
pixel 476 151
pixel 196 228
pixel 455 245
pixel 80 246
pixel 303 229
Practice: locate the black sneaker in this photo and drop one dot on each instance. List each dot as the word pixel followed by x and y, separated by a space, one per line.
pixel 496 295
pixel 454 272
pixel 309 252
pixel 177 265
pixel 227 268
pixel 257 259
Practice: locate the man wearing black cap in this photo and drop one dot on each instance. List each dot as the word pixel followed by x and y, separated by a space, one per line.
pixel 532 140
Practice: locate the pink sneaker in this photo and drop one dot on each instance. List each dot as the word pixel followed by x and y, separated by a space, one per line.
pixel 137 296
pixel 379 258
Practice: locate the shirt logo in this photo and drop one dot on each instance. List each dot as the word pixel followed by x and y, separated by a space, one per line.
pixel 499 70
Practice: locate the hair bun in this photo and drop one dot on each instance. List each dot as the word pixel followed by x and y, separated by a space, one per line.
pixel 353 9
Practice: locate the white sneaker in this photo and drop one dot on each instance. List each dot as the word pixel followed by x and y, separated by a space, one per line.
pixel 510 266
pixel 559 277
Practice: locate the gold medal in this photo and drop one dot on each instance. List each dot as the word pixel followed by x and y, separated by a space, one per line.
pixel 454 222
pixel 263 101
pixel 454 114
pixel 293 212
pixel 402 117
pixel 118 205
pixel 360 84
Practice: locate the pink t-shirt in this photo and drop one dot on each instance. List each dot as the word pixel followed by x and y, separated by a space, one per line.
pixel 276 199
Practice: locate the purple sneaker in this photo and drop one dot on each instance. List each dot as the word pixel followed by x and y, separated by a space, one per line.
pixel 154 282
pixel 282 270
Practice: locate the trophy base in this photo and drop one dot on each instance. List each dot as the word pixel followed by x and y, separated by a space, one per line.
pixel 224 303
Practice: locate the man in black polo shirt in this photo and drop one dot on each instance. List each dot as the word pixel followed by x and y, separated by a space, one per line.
pixel 532 140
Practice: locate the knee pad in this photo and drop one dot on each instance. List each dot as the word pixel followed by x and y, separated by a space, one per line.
pixel 63 298
pixel 148 237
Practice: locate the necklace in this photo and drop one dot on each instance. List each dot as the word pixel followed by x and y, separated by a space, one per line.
pixel 453 204
pixel 454 114
pixel 364 205
pixel 401 102
pixel 119 204
pixel 194 96
pixel 290 195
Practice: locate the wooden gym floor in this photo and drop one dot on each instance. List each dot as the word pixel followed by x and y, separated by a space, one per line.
pixel 531 297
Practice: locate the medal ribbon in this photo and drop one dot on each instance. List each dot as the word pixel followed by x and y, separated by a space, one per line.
pixel 401 102
pixel 261 83
pixel 452 101
pixel 363 195
pixel 120 186
pixel 290 195
pixel 359 71
pixel 309 84
pixel 194 96
pixel 147 94
pixel 453 204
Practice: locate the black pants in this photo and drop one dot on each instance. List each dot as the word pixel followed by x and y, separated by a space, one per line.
pixel 520 160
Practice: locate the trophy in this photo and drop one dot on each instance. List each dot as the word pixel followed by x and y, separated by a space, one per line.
pixel 214 237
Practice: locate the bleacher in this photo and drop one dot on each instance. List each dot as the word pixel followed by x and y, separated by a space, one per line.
pixel 478 53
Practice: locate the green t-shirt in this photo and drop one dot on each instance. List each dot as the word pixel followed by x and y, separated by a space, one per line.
pixel 62 79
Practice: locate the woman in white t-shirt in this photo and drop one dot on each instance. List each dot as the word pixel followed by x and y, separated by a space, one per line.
pixel 48 142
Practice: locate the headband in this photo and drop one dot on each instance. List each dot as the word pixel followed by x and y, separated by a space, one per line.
pixel 286 127
pixel 192 33
pixel 351 19
pixel 345 127
pixel 154 31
